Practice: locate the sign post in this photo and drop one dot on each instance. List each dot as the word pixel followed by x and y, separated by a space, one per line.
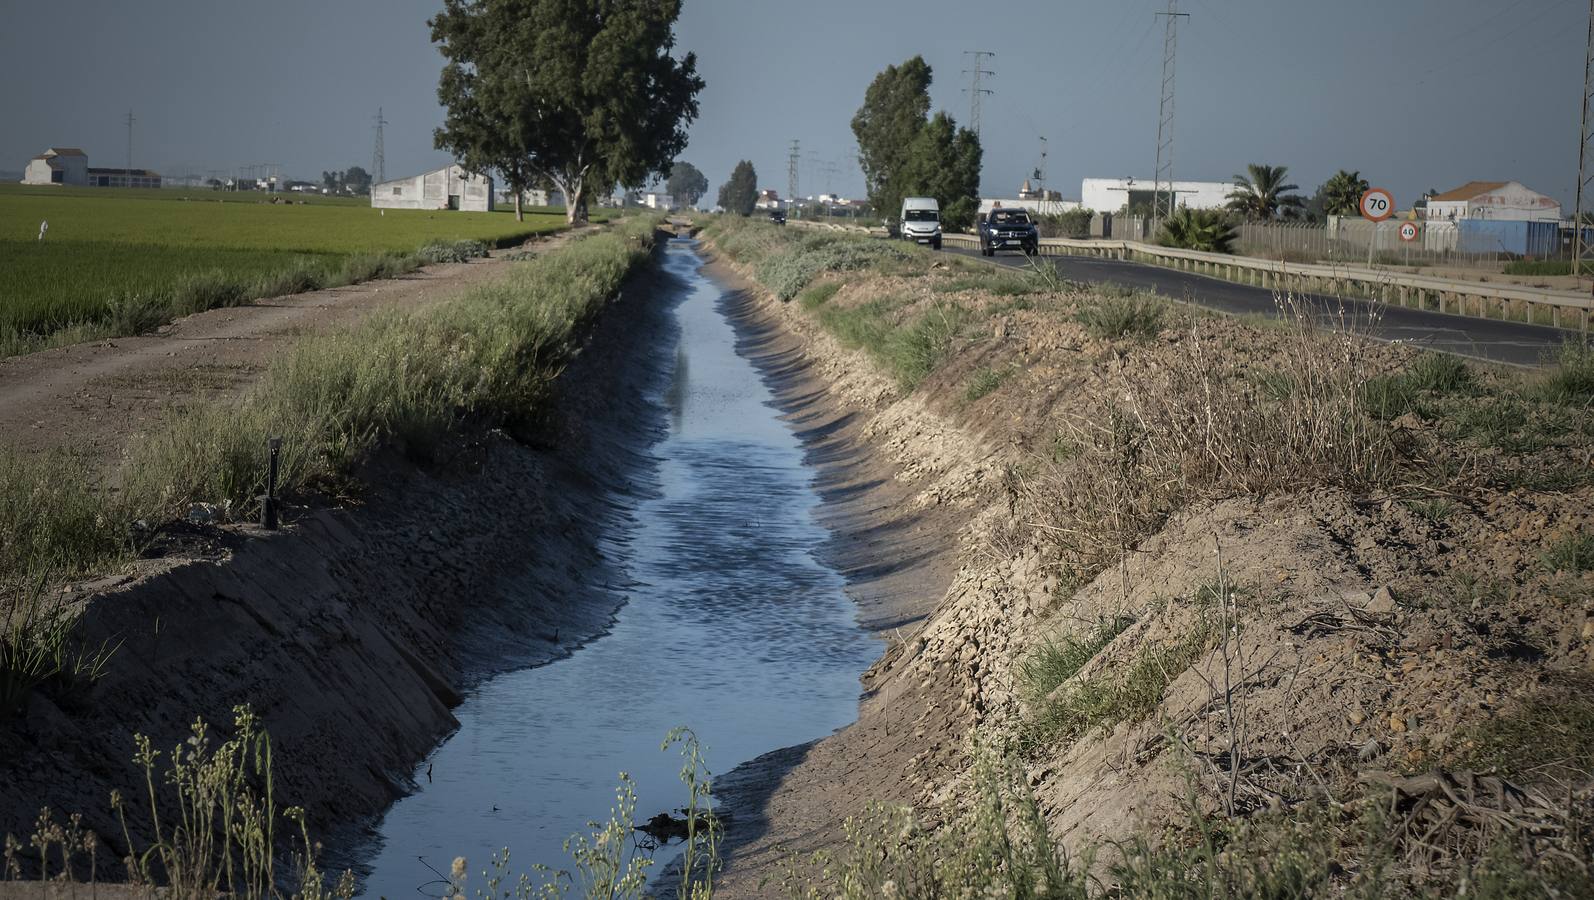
pixel 1376 206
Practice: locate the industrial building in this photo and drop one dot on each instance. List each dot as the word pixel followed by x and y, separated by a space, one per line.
pixel 1507 201
pixel 1113 194
pixel 70 166
pixel 450 187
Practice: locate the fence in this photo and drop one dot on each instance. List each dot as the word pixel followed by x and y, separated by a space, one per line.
pixel 1480 244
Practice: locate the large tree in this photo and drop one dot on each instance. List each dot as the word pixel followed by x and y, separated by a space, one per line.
pixel 740 194
pixel 895 109
pixel 582 93
pixel 1264 193
pixel 943 161
pixel 686 183
pixel 1341 194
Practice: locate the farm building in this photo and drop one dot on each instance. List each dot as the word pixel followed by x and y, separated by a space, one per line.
pixel 1505 201
pixel 70 166
pixel 450 187
pixel 1112 194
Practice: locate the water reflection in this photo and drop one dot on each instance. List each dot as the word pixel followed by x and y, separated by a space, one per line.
pixel 735 630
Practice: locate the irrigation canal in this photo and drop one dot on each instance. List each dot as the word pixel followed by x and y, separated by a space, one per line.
pixel 734 627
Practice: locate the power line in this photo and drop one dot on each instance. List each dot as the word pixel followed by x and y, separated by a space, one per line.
pixel 975 92
pixel 1170 52
pixel 379 153
pixel 1580 247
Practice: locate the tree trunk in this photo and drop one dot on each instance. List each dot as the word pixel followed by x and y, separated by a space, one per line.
pixel 575 207
pixel 520 214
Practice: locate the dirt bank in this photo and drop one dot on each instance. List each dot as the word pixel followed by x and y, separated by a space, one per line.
pixel 353 631
pixel 1271 624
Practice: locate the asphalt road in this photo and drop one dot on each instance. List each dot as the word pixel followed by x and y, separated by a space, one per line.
pixel 1505 342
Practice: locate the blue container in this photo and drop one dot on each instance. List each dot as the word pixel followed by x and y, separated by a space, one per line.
pixel 1535 239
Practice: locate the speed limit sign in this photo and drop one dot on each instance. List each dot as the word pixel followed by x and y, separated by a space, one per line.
pixel 1408 231
pixel 1377 204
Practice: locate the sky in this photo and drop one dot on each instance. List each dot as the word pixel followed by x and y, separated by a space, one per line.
pixel 1416 94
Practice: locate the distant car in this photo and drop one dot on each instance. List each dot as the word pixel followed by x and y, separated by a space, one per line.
pixel 1008 229
pixel 778 217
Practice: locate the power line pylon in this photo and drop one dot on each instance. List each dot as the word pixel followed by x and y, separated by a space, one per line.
pixel 974 90
pixel 129 121
pixel 791 174
pixel 379 153
pixel 1170 52
pixel 1581 251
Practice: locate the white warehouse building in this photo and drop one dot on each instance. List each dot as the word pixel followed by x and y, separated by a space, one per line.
pixel 450 187
pixel 1113 194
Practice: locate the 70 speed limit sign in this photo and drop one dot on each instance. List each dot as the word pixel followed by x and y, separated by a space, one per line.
pixel 1377 205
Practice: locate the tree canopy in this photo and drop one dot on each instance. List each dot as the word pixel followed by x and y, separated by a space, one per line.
pixel 904 152
pixel 582 93
pixel 1341 194
pixel 943 162
pixel 740 194
pixel 1263 194
pixel 686 183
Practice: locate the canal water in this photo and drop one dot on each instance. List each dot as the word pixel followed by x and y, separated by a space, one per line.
pixel 734 627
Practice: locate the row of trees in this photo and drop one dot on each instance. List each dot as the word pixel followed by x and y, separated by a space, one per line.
pixel 354 180
pixel 582 95
pixel 1264 193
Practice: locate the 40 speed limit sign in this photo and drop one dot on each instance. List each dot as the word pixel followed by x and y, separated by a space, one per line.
pixel 1377 205
pixel 1408 231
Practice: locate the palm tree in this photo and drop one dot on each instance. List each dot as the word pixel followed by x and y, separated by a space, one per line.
pixel 1263 195
pixel 1198 229
pixel 1342 193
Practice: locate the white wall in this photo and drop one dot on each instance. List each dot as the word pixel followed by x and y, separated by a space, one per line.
pixel 1037 206
pixel 75 169
pixel 1110 194
pixel 1512 202
pixel 431 190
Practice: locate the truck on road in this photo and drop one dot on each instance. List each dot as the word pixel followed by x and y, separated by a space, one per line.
pixel 1008 229
pixel 921 221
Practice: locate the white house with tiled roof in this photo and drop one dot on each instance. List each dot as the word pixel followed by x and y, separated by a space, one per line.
pixel 1506 201
pixel 58 165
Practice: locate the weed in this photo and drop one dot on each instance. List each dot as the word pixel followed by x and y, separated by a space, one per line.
pixel 1056 659
pixel 913 352
pixel 983 382
pixel 36 649
pixel 1137 316
pixel 1435 510
pixel 1571 553
pixel 1571 383
pixel 818 295
pixel 1552 728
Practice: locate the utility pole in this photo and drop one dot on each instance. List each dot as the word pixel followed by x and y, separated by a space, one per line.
pixel 1170 50
pixel 1580 247
pixel 791 173
pixel 975 92
pixel 1040 173
pixel 130 140
pixel 378 155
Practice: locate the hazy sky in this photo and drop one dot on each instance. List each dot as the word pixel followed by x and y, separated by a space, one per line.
pixel 1416 94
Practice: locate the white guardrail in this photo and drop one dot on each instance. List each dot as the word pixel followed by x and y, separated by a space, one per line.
pixel 1487 300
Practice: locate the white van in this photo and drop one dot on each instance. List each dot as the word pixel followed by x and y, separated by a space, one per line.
pixel 921 221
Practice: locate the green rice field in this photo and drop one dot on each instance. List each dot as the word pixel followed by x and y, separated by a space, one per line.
pixel 164 253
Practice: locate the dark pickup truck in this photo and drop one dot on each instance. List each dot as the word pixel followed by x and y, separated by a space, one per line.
pixel 1008 229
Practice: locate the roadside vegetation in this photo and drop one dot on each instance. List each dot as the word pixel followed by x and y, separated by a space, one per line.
pixel 111 265
pixel 409 381
pixel 1454 755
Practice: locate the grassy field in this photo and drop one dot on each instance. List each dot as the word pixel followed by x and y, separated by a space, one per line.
pixel 172 252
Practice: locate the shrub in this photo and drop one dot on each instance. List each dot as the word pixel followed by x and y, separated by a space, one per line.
pixel 1571 383
pixel 451 252
pixel 1137 315
pixel 1074 223
pixel 1207 230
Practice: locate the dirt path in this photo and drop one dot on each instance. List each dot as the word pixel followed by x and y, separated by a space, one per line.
pixel 90 398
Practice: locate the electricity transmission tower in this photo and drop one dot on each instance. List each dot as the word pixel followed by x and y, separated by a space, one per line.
pixel 974 90
pixel 379 153
pixel 1580 247
pixel 791 173
pixel 130 140
pixel 1170 50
